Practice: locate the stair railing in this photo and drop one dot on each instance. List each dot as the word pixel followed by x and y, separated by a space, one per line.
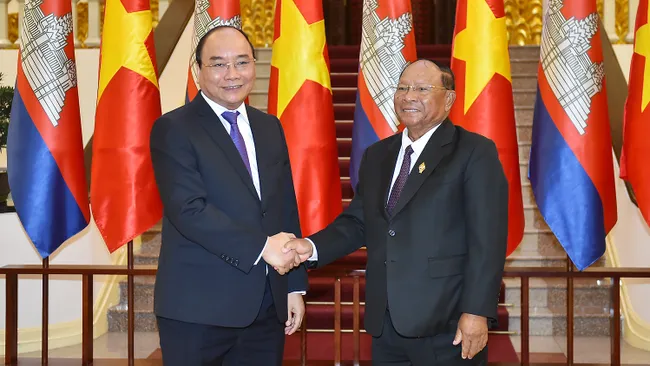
pixel 87 272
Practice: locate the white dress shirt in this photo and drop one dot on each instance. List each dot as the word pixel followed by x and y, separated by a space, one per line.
pixel 246 132
pixel 417 146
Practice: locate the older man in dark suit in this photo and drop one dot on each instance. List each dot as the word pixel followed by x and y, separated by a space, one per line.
pixel 431 207
pixel 223 172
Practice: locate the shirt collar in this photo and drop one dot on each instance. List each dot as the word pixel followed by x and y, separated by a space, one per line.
pixel 219 109
pixel 419 144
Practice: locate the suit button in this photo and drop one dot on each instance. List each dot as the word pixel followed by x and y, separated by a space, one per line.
pixel 391 232
pixel 263 213
pixel 384 263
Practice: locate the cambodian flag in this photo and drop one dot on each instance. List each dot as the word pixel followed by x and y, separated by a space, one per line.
pixel 45 148
pixel 387 45
pixel 208 14
pixel 571 170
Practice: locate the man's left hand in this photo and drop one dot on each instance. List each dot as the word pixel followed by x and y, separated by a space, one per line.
pixel 473 333
pixel 296 310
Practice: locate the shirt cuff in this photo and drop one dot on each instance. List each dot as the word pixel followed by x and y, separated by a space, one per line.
pixel 262 252
pixel 299 292
pixel 314 255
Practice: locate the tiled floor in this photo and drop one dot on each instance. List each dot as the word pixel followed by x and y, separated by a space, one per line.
pixel 110 345
pixel 586 349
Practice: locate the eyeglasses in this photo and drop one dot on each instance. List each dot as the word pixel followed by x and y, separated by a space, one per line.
pixel 240 65
pixel 419 88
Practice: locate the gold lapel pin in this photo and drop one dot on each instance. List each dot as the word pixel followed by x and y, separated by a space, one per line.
pixel 421 168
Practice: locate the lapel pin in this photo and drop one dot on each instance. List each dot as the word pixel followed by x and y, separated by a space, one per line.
pixel 421 168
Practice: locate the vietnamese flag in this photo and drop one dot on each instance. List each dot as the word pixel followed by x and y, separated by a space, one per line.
pixel 208 14
pixel 300 95
pixel 484 102
pixel 636 131
pixel 124 197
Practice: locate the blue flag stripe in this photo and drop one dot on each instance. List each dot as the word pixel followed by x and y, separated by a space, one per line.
pixel 43 201
pixel 565 195
pixel 363 135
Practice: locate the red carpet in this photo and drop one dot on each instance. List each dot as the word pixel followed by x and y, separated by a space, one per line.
pixel 500 347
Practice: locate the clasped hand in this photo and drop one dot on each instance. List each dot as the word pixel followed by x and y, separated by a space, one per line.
pixel 284 252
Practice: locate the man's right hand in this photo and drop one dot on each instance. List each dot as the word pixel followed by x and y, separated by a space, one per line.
pixel 302 247
pixel 275 255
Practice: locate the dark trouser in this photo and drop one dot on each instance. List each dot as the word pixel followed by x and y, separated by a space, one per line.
pixel 395 350
pixel 188 344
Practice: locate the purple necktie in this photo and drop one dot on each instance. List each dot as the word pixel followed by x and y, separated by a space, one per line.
pixel 236 136
pixel 400 181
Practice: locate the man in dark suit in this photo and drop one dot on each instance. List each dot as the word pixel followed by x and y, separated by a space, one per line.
pixel 431 207
pixel 224 177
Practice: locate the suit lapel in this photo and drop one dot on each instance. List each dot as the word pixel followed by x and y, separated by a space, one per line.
pixel 387 168
pixel 431 156
pixel 212 125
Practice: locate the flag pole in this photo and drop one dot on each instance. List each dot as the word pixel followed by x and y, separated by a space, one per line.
pixel 569 312
pixel 130 309
pixel 46 311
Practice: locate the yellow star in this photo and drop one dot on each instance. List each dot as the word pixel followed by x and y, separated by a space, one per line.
pixel 642 47
pixel 298 54
pixel 483 46
pixel 123 44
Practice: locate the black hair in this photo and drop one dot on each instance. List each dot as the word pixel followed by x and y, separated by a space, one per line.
pixel 199 46
pixel 448 79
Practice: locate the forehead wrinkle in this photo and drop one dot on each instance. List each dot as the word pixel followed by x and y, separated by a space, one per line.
pixel 423 72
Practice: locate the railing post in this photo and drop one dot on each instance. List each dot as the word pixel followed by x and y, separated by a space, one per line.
pixel 11 322
pixel 524 322
pixel 615 337
pixel 4 24
pixel 131 303
pixel 569 312
pixel 337 321
pixel 355 321
pixel 94 24
pixel 303 340
pixel 45 320
pixel 87 319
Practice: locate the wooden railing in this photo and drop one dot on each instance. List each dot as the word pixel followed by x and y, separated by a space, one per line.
pixel 88 272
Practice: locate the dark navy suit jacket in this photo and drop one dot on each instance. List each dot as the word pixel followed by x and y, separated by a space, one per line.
pixel 215 225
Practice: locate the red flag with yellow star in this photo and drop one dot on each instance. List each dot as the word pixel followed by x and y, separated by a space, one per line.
pixel 636 130
pixel 300 95
pixel 124 197
pixel 484 103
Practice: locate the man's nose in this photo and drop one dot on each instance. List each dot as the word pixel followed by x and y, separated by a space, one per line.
pixel 231 72
pixel 410 94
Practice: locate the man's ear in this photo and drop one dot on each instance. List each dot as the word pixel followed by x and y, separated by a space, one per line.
pixel 450 98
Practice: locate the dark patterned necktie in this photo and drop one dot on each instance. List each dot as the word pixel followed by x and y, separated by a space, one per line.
pixel 237 138
pixel 400 181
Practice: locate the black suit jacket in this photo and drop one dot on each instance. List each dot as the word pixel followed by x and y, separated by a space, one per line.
pixel 214 225
pixel 442 251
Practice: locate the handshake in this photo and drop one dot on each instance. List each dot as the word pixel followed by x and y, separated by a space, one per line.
pixel 283 251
